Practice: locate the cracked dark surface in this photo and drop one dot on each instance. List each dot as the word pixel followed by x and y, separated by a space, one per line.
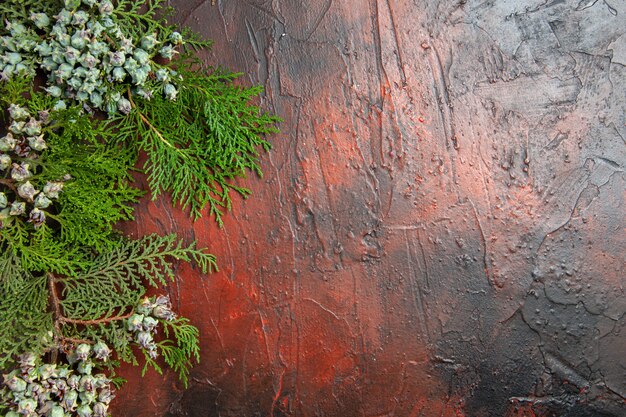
pixel 440 227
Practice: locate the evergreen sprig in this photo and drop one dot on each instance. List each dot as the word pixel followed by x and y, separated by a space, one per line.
pixel 12 10
pixel 88 86
pixel 216 138
pixel 184 346
pixel 116 278
pixel 138 17
pixel 25 321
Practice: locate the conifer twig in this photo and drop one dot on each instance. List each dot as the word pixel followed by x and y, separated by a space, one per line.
pixel 151 126
pixel 60 319
pixel 97 321
pixel 75 341
pixel 56 303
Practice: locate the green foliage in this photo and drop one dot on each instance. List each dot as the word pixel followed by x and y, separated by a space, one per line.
pixel 101 193
pixel 101 274
pixel 68 278
pixel 115 279
pixel 179 352
pixel 24 316
pixel 21 9
pixel 215 139
pixel 43 252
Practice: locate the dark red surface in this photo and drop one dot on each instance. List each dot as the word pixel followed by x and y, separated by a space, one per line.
pixel 440 227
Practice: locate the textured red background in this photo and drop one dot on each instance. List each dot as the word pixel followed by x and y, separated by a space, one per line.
pixel 440 227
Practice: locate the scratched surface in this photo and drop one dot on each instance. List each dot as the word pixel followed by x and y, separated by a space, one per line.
pixel 440 227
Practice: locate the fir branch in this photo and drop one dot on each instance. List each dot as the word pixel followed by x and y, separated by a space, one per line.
pixel 150 363
pixel 56 302
pixel 140 17
pixel 40 252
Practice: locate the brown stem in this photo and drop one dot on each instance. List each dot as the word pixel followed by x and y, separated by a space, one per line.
pixel 98 321
pixel 56 305
pixel 9 183
pixel 74 341
pixel 110 41
pixel 60 319
pixel 151 126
